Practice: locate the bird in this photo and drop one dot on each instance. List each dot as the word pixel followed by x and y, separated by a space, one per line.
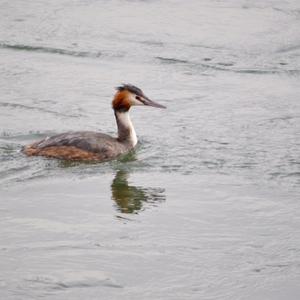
pixel 96 146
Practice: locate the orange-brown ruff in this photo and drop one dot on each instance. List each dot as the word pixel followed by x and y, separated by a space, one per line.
pixel 95 146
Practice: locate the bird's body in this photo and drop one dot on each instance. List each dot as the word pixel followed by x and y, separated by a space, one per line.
pixel 96 146
pixel 81 145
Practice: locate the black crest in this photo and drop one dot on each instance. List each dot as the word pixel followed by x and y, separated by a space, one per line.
pixel 131 88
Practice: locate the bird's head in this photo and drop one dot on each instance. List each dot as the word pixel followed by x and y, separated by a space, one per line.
pixel 128 95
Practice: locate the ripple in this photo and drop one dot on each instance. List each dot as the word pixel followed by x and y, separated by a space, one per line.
pixel 215 142
pixel 18 138
pixel 226 66
pixel 42 49
pixel 67 280
pixel 152 43
pixel 283 118
pixel 40 109
pixel 288 49
pixel 171 60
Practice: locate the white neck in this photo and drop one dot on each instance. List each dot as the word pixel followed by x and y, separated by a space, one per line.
pixel 126 132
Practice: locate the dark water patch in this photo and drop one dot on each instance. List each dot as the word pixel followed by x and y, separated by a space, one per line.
pixel 283 118
pixel 171 167
pixel 44 246
pixel 254 71
pixel 214 164
pixel 216 142
pixel 41 49
pixel 19 20
pixel 207 47
pixel 152 43
pixel 287 120
pixel 293 174
pixel 294 162
pixel 245 165
pixel 168 60
pixel 207 66
pixel 286 175
pixel 226 67
pixel 226 64
pixel 67 281
pixel 40 109
pixel 288 49
pixel 264 71
pixel 290 12
pixel 278 265
pixel 120 218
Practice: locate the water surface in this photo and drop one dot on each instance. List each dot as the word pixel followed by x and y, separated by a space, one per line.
pixel 207 206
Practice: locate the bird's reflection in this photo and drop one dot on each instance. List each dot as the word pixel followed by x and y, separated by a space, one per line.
pixel 132 199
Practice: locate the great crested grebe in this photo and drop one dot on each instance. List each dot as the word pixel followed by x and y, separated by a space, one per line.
pixel 88 145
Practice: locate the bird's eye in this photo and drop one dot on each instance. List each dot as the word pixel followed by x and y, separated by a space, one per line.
pixel 138 98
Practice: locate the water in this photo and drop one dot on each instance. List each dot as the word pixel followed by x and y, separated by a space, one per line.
pixel 207 206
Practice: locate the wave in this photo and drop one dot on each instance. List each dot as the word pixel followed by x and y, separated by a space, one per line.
pixel 42 49
pixel 288 49
pixel 171 60
pixel 22 106
pixel 226 67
